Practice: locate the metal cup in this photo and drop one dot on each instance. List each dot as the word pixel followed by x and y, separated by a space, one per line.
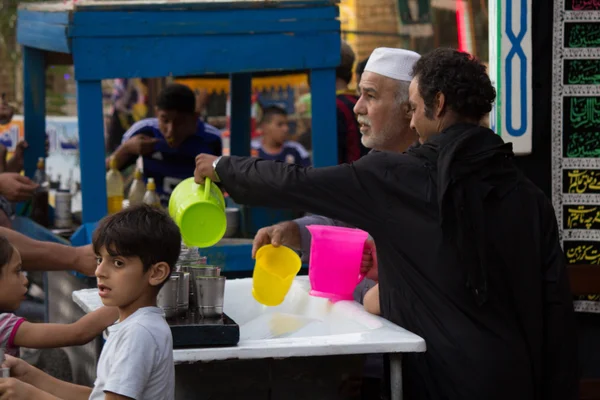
pixel 192 288
pixel 207 270
pixel 183 292
pixel 210 292
pixel 167 296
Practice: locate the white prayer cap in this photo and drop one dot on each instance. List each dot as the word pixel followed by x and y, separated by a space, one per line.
pixel 393 63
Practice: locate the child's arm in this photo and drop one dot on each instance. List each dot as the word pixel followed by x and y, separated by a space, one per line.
pixel 12 388
pixel 43 386
pixel 114 396
pixel 371 300
pixel 40 336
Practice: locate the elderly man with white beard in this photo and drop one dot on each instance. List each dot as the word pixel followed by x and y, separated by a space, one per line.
pixel 384 117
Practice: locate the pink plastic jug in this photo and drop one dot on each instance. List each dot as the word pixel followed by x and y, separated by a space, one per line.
pixel 335 259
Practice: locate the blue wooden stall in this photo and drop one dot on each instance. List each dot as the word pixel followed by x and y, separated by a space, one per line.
pixel 147 39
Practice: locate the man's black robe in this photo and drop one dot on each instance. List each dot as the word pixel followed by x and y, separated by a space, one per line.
pixel 469 259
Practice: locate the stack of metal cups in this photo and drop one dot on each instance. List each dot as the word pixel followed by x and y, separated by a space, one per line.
pixel 206 286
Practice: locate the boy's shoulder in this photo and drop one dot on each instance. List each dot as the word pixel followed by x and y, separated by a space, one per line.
pixel 137 359
pixel 147 125
pixel 145 324
pixel 294 146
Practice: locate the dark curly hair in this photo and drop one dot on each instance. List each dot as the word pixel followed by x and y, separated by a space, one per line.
pixel 460 77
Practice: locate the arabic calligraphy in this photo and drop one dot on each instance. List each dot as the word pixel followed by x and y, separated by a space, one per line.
pixel 581 181
pixel 581 252
pixel 580 5
pixel 584 112
pixel 581 217
pixel 582 144
pixel 591 297
pixel 582 72
pixel 581 35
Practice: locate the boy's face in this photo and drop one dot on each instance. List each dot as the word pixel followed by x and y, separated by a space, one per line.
pixel 13 284
pixel 276 128
pixel 176 126
pixel 123 283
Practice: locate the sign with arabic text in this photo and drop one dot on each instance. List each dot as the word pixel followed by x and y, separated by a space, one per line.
pixel 581 217
pixel 581 181
pixel 582 35
pixel 582 5
pixel 581 127
pixel 582 252
pixel 576 133
pixel 581 72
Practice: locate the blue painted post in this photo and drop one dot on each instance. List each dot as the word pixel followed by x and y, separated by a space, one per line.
pixel 241 103
pixel 324 120
pixel 34 98
pixel 91 150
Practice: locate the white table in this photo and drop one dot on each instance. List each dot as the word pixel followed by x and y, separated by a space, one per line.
pixel 301 326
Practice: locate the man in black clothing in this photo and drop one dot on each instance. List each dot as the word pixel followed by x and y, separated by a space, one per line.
pixel 468 249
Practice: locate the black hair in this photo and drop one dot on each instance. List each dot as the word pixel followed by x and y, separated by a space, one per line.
pixel 177 97
pixel 462 79
pixel 269 112
pixel 360 67
pixel 139 231
pixel 344 70
pixel 6 252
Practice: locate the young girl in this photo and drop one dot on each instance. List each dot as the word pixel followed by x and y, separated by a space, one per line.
pixel 16 332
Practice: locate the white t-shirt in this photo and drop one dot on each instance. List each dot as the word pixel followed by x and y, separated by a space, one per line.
pixel 137 358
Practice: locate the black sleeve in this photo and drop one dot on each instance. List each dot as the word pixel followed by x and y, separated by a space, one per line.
pixel 218 147
pixel 340 192
pixel 560 367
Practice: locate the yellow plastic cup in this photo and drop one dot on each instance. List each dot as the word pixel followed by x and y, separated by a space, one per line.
pixel 199 211
pixel 274 272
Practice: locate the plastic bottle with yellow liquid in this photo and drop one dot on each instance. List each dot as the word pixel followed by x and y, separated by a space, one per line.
pixel 115 189
pixel 151 198
pixel 137 189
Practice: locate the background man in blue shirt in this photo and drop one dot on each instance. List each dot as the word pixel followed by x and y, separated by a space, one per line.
pixel 169 143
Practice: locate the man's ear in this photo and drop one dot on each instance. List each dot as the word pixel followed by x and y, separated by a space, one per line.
pixel 405 111
pixel 159 272
pixel 439 104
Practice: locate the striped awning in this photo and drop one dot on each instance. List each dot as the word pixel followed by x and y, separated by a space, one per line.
pixel 259 84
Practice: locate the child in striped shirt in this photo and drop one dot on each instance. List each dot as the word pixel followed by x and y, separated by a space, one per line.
pixel 16 331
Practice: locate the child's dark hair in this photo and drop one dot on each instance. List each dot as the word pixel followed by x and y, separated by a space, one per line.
pixel 6 252
pixel 177 97
pixel 269 112
pixel 140 231
pixel 344 70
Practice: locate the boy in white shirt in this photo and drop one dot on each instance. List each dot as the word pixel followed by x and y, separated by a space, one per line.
pixel 136 251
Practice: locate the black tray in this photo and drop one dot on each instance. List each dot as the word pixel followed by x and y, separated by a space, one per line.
pixel 193 331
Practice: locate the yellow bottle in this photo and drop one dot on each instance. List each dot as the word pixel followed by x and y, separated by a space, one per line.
pixel 115 189
pixel 137 189
pixel 151 198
